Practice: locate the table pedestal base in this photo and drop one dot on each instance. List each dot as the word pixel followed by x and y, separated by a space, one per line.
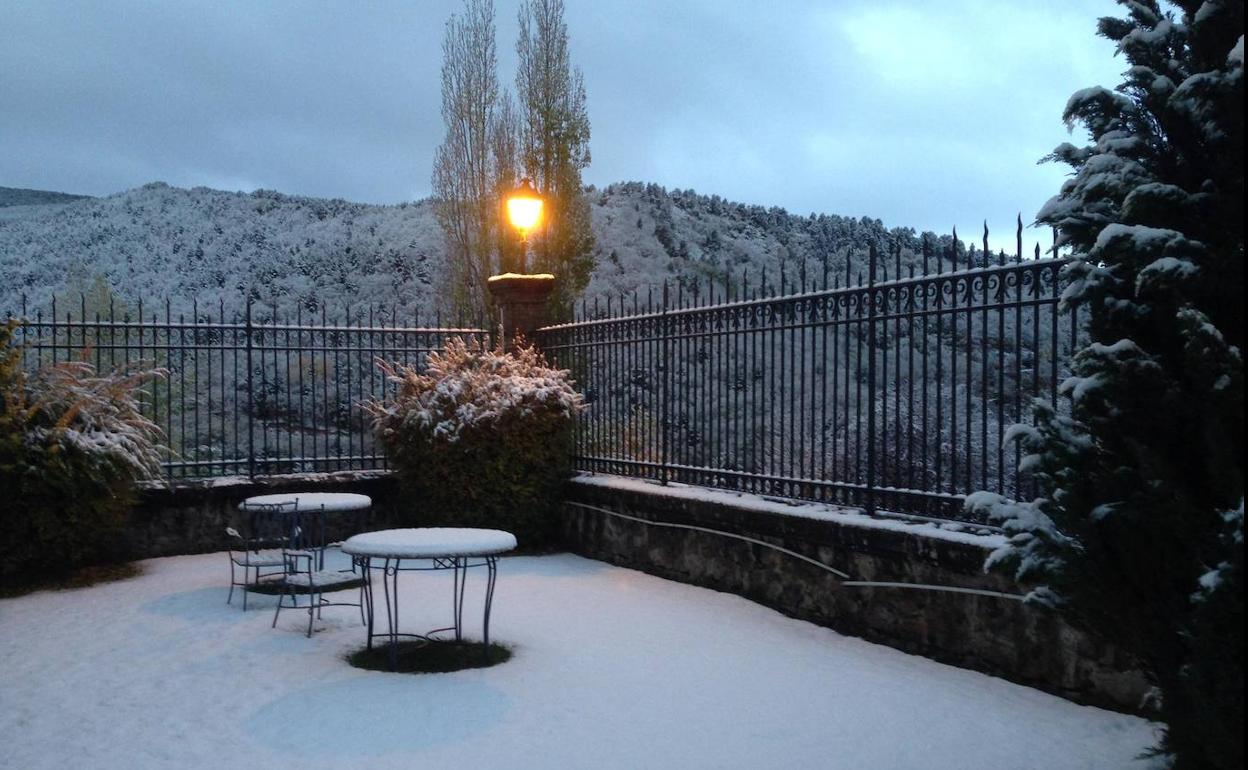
pixel 390 570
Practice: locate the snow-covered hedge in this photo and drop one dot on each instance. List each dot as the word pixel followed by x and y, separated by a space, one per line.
pixel 481 438
pixel 72 445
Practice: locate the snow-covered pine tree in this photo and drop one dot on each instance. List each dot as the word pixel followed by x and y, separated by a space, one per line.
pixel 1138 532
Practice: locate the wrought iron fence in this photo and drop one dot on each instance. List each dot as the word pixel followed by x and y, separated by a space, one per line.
pixel 889 391
pixel 252 393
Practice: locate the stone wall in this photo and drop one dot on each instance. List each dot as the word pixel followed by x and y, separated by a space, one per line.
pixel 191 516
pixel 998 636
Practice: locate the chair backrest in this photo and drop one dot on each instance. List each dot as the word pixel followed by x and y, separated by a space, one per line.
pixel 308 534
pixel 269 525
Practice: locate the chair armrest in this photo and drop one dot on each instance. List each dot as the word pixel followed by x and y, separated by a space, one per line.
pixel 292 560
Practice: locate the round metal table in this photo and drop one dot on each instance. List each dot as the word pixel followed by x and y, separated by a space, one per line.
pixel 453 548
pixel 306 510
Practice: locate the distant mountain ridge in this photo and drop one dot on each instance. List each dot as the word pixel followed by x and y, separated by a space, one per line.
pixel 17 196
pixel 298 254
pixel 20 196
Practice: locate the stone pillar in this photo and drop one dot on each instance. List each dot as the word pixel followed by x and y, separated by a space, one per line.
pixel 521 301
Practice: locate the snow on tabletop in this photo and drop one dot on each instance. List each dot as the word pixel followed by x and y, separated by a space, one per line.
pixel 430 541
pixel 520 277
pixel 952 531
pixel 612 670
pixel 310 501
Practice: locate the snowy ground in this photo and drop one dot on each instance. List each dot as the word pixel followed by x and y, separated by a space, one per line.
pixel 612 669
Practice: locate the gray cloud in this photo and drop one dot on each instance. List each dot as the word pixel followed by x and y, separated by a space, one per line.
pixel 917 113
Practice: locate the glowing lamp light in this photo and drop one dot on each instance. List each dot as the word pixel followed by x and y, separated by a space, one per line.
pixel 524 207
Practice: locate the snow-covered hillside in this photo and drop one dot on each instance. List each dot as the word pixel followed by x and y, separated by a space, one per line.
pixel 647 235
pixel 157 242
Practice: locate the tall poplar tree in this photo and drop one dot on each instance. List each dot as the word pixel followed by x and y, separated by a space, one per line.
pixel 1138 531
pixel 505 145
pixel 554 148
pixel 466 171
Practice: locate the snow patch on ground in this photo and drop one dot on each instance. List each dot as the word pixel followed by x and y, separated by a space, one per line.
pixel 612 669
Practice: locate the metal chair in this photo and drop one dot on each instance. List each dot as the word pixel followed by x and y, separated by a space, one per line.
pixel 268 530
pixel 303 561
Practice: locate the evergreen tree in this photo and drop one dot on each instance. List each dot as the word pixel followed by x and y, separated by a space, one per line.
pixel 554 148
pixel 1137 534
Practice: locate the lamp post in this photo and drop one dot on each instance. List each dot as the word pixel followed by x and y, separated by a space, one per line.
pixel 522 299
pixel 524 209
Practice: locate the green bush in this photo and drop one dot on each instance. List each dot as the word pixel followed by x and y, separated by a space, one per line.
pixel 72 446
pixel 482 439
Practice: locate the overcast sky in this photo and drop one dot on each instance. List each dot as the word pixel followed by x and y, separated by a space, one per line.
pixel 919 113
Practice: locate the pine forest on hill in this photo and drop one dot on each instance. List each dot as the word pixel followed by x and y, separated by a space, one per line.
pixel 314 255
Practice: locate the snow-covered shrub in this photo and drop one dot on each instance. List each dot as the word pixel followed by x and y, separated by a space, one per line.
pixel 72 446
pixel 1129 535
pixel 481 438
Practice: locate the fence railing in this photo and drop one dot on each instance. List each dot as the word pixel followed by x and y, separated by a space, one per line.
pixel 891 391
pixel 248 394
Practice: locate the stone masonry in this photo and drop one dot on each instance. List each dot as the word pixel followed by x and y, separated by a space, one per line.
pixel 998 636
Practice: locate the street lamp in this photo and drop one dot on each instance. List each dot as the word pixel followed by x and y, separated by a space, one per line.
pixel 524 209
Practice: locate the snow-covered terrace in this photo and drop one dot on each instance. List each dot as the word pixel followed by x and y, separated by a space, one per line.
pixel 612 669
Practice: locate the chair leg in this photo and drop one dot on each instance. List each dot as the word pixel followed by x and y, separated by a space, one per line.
pixel 313 604
pixel 281 598
pixel 230 598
